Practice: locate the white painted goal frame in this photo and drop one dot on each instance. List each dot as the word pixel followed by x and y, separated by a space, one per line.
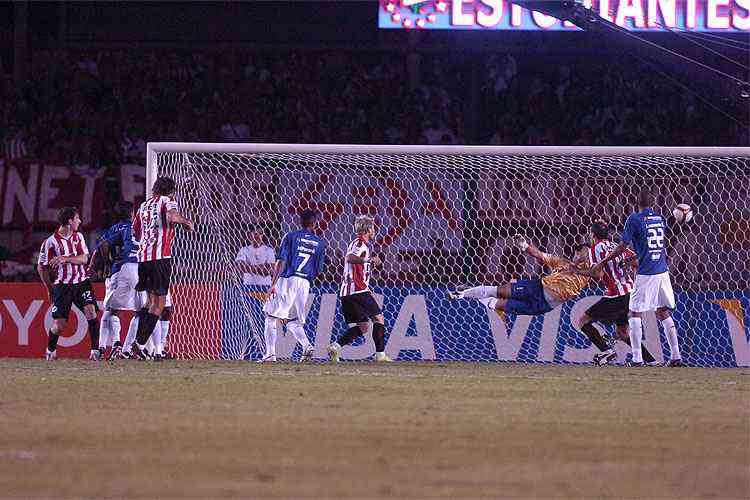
pixel 417 316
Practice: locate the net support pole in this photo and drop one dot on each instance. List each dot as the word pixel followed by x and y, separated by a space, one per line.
pixel 151 168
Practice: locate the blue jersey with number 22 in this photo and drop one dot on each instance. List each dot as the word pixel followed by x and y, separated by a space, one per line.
pixel 644 231
pixel 303 254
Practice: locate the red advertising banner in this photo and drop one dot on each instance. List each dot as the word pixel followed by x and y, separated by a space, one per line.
pixel 32 192
pixel 25 318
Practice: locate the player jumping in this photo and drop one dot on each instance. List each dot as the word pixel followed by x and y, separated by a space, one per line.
pixel 301 259
pixel 645 232
pixel 539 295
pixel 116 245
pixel 153 228
pixel 66 253
pixel 357 303
pixel 613 307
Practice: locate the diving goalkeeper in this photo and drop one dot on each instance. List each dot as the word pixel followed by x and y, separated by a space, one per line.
pixel 538 295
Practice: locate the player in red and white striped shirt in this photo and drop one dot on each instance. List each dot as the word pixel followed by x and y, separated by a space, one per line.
pixel 65 254
pixel 617 278
pixel 357 303
pixel 153 229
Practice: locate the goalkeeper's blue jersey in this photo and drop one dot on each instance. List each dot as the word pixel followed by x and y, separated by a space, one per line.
pixel 303 254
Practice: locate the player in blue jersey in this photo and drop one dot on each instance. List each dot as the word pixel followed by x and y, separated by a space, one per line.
pixel 645 231
pixel 116 246
pixel 301 258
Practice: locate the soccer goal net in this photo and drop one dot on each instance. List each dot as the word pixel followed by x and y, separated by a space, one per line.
pixel 444 217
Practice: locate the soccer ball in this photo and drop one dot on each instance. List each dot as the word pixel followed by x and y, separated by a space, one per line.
pixel 683 213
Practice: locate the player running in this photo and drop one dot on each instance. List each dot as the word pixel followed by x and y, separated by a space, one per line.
pixel 613 307
pixel 153 228
pixel 645 232
pixel 357 303
pixel 538 295
pixel 301 259
pixel 66 253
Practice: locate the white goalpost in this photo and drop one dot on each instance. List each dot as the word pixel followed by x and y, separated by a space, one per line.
pixel 445 215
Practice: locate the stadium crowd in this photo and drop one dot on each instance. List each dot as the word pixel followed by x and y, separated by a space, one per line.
pixel 99 108
pixel 115 100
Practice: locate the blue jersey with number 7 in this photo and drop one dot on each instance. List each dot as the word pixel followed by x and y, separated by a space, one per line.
pixel 303 254
pixel 645 232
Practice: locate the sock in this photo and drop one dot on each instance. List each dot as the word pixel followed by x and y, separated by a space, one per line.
pixel 299 334
pixel 105 329
pixel 647 356
pixel 164 332
pixel 132 330
pixel 52 342
pixel 636 334
pixel 670 330
pixel 152 342
pixel 489 302
pixel 94 332
pixel 269 335
pixel 145 326
pixel 115 330
pixel 336 346
pixel 378 335
pixel 480 292
pixel 596 338
pixel 352 333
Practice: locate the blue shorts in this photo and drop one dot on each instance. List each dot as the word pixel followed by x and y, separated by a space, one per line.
pixel 527 298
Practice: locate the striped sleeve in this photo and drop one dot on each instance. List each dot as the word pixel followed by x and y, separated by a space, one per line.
pixel 44 254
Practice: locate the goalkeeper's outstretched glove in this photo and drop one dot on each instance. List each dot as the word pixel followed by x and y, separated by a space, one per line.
pixel 520 241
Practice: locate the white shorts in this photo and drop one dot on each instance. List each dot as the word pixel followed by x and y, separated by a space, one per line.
pixel 290 300
pixel 652 292
pixel 121 293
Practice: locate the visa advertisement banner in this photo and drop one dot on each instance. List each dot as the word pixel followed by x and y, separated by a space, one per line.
pixel 421 324
pixel 719 16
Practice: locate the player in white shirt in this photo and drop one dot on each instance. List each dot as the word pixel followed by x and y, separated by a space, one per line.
pixel 357 303
pixel 256 260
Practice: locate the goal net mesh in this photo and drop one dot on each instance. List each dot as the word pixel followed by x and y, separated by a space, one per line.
pixel 445 220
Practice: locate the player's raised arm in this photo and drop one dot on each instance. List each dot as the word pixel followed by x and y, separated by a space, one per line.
pixel 525 246
pixel 175 217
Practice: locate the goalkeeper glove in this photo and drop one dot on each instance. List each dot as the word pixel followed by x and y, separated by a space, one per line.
pixel 520 241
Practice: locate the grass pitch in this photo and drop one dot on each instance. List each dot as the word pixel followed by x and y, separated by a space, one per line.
pixel 238 429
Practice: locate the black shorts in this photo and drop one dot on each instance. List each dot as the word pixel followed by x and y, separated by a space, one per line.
pixel 64 296
pixel 359 308
pixel 154 276
pixel 611 310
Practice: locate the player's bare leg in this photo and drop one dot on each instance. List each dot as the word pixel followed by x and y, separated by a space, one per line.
pixel 670 330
